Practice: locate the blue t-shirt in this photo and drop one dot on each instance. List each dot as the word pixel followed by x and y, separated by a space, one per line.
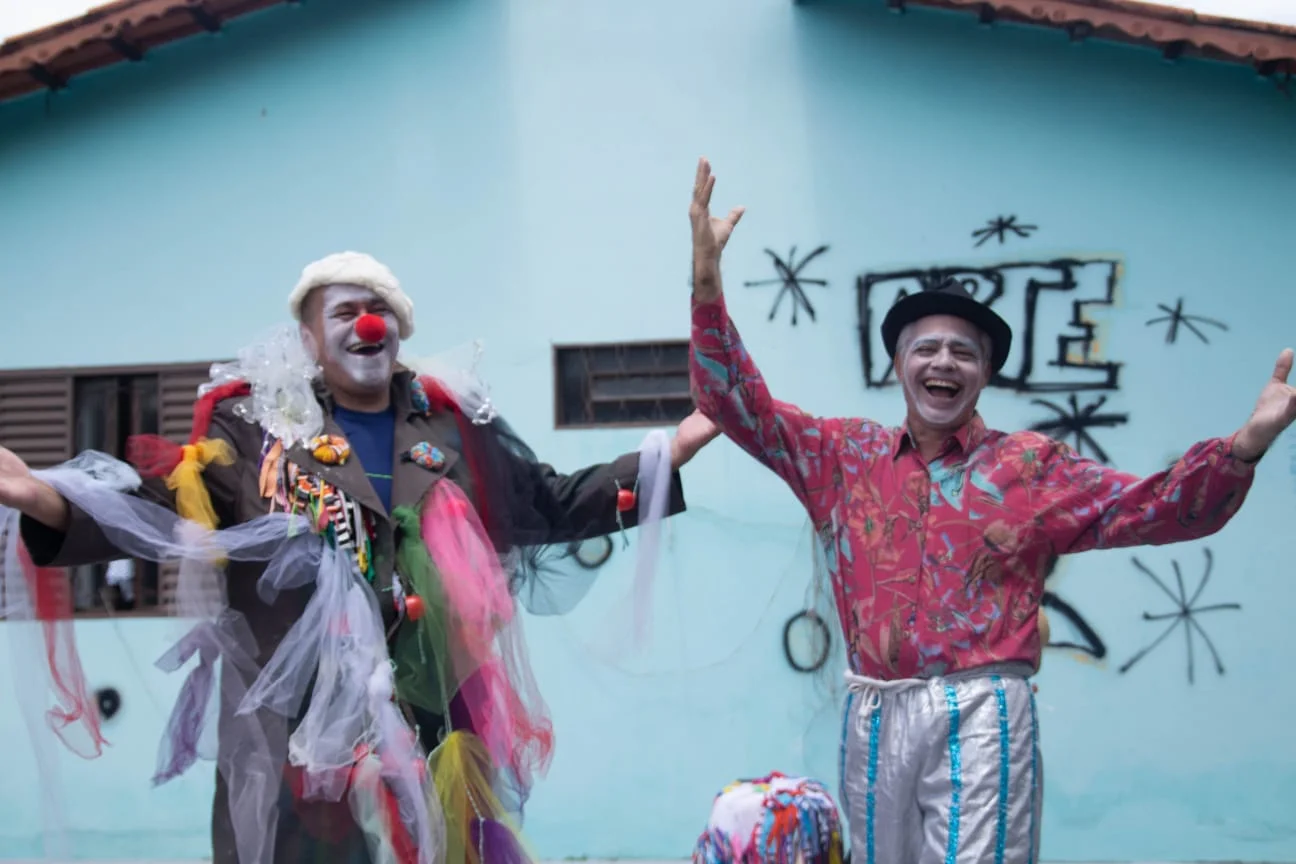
pixel 371 436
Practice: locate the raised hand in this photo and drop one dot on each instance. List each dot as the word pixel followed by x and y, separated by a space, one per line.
pixel 1274 412
pixel 710 234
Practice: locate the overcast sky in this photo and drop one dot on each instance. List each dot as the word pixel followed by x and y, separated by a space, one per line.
pixel 19 16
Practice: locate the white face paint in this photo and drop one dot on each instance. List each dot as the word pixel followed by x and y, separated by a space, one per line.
pixel 350 364
pixel 943 366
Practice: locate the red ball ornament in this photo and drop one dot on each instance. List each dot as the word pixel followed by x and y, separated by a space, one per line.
pixel 371 328
pixel 625 500
pixel 414 607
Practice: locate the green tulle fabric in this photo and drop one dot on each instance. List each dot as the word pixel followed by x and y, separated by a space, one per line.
pixel 424 669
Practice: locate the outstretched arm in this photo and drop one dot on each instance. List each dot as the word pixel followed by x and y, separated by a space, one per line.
pixel 546 506
pixel 1096 507
pixel 587 500
pixel 30 496
pixel 729 389
pixel 1093 506
pixel 57 533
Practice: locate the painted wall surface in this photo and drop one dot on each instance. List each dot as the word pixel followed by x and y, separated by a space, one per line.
pixel 525 168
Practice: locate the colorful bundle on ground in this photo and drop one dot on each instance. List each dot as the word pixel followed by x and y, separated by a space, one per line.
pixel 773 820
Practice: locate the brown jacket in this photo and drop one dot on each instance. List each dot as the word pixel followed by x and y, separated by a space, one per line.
pixel 588 499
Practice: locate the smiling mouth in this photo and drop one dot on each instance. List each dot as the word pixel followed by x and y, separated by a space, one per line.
pixel 942 388
pixel 366 349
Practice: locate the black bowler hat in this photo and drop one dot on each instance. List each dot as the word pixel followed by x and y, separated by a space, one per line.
pixel 951 298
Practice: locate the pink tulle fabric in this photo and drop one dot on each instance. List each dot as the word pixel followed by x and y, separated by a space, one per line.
pixel 498 690
pixel 74 717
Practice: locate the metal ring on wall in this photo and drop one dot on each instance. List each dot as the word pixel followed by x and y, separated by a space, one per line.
pixel 817 621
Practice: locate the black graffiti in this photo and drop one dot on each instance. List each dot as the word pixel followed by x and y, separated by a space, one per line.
pixel 1000 227
pixel 1185 615
pixel 1045 303
pixel 1093 644
pixel 791 282
pixel 1175 318
pixel 1074 422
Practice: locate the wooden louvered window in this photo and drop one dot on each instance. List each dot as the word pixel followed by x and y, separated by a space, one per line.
pixel 36 417
pixel 49 415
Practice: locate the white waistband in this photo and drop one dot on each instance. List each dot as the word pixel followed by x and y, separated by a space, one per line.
pixel 871 690
pixel 864 684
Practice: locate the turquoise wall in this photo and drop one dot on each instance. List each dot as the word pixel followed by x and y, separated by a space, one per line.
pixel 525 168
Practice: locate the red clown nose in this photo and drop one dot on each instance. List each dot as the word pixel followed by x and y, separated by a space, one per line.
pixel 371 328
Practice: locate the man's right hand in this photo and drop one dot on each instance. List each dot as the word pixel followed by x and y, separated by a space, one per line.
pixel 710 234
pixel 29 495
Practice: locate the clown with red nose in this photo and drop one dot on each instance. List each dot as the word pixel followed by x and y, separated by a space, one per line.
pixel 353 316
pixel 379 534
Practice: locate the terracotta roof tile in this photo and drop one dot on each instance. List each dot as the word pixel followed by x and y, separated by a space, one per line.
pixel 128 29
pixel 108 34
pixel 1175 31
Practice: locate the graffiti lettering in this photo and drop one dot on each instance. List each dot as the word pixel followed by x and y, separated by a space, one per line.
pixel 1054 345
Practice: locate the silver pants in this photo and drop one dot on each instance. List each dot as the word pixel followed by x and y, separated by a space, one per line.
pixel 943 770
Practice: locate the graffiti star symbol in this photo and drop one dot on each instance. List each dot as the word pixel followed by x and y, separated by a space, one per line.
pixel 1076 423
pixel 1185 615
pixel 1000 227
pixel 791 280
pixel 1176 317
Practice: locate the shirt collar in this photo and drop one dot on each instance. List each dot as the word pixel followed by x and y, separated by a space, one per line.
pixel 968 437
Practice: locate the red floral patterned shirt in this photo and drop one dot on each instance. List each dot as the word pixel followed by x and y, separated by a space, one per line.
pixel 940 567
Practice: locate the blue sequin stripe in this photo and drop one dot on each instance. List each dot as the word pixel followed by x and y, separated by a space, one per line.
pixel 1001 828
pixel 956 774
pixel 875 726
pixel 1034 775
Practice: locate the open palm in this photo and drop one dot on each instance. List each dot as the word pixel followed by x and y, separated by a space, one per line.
pixel 710 233
pixel 1276 408
pixel 1274 412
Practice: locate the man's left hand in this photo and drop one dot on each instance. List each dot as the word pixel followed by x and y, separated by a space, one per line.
pixel 1274 412
pixel 693 433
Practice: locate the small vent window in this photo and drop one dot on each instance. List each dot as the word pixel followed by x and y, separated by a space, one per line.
pixel 622 384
